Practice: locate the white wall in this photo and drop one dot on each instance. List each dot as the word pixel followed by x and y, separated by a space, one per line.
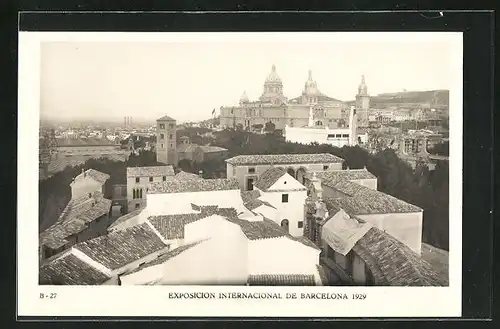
pixel 81 187
pixel 293 210
pixel 281 256
pixel 406 227
pixel 180 203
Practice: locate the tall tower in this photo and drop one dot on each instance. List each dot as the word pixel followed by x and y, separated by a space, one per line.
pixel 362 103
pixel 353 127
pixel 166 143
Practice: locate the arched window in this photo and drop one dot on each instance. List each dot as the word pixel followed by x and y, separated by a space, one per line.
pixel 319 123
pixel 285 224
pixel 140 193
pixel 134 194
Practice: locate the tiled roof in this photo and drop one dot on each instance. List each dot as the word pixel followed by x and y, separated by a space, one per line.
pixel 257 159
pixel 349 174
pixel 268 178
pixel 150 171
pixel 76 215
pixel 260 229
pixel 392 263
pixel 70 270
pixel 281 280
pixel 166 256
pixel 126 217
pixel 362 200
pixel 186 176
pixel 97 175
pixel 438 258
pixel 186 148
pixel 65 142
pixel 165 118
pixel 247 196
pixel 305 241
pixel 256 203
pixel 210 149
pixel 172 226
pixel 179 186
pixel 119 248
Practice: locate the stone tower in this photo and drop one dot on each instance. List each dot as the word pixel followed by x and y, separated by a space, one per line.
pixel 362 103
pixel 166 150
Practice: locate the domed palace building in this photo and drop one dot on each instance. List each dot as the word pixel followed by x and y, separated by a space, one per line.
pixel 273 106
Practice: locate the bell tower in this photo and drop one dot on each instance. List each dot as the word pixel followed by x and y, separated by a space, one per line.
pixel 362 103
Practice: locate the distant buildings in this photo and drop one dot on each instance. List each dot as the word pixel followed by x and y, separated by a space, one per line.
pixel 199 153
pixel 274 107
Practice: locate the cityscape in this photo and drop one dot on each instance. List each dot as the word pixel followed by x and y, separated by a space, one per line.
pixel 276 190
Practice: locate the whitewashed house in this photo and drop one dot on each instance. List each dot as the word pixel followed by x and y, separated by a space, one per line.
pixel 88 181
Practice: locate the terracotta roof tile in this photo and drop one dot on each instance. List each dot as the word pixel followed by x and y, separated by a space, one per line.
pixel 281 280
pixel 95 174
pixel 77 142
pixel 150 171
pixel 276 159
pixel 349 174
pixel 269 177
pixel 247 196
pixel 186 176
pixel 126 217
pixel 179 186
pixel 70 270
pixel 119 248
pixel 391 262
pixel 265 229
pixel 172 226
pixel 76 215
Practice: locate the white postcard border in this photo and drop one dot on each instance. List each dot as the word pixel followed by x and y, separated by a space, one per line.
pixel 153 300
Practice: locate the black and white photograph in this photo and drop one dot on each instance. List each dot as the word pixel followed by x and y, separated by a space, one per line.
pixel 311 161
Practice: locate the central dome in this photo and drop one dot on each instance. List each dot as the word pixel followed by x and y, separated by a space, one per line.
pixel 273 76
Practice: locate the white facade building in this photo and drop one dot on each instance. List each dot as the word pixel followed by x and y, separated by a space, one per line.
pixel 138 180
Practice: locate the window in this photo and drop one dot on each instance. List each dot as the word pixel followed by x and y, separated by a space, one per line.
pixel 137 205
pixel 171 125
pixel 150 179
pixel 90 195
pixel 162 136
pixel 171 136
pixel 300 224
pixel 325 167
pixel 338 135
pixel 171 145
pixel 162 126
pixel 345 135
pixel 140 193
pixel 164 178
pixel 251 170
pixel 161 145
pixel 137 179
pixel 284 198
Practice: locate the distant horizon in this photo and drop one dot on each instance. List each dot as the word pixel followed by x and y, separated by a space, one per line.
pixel 144 120
pixel 189 75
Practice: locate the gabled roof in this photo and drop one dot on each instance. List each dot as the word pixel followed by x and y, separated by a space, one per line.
pixel 264 229
pixel 281 280
pixel 70 270
pixel 349 174
pixel 165 118
pixel 268 178
pixel 126 217
pixel 186 176
pixel 172 226
pixel 248 196
pixel 392 263
pixel 94 174
pixel 178 186
pixel 77 214
pixel 150 171
pixel 276 159
pixel 256 203
pixel 119 248
pixel 362 200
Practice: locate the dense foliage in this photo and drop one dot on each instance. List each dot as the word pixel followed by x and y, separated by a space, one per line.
pixel 419 186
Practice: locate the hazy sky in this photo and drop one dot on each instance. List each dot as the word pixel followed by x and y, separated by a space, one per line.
pixel 187 80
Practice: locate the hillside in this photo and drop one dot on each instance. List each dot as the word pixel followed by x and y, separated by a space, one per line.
pixel 431 97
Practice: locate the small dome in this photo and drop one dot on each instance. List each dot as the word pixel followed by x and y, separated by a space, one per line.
pixel 273 76
pixel 244 98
